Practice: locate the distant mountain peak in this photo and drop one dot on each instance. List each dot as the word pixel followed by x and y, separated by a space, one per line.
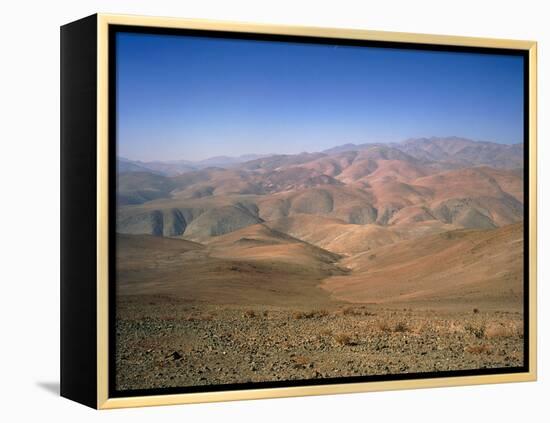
pixel 455 150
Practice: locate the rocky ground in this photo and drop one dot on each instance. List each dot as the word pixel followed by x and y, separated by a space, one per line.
pixel 163 342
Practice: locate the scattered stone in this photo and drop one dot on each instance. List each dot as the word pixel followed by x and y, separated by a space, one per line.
pixel 174 356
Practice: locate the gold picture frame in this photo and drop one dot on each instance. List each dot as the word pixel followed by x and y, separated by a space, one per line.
pixel 101 23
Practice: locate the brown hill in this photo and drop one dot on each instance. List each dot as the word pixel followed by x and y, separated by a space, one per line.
pixel 275 162
pixel 282 272
pixel 462 183
pixel 260 242
pixel 219 221
pixel 348 239
pixel 468 198
pixel 474 198
pixel 331 165
pixel 374 184
pixel 462 268
pixel 140 187
pixel 341 202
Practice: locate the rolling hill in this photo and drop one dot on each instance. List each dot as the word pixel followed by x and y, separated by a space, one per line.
pixel 426 221
pixel 252 266
pixel 378 186
pixel 450 269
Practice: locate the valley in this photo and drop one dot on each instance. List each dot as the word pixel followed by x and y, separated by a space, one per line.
pixel 353 261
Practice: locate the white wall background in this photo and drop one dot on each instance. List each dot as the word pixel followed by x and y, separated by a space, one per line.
pixel 29 212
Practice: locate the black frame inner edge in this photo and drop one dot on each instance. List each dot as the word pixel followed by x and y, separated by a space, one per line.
pixel 112 150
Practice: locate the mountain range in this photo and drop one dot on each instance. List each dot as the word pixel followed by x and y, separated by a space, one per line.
pixel 451 150
pixel 451 181
pixel 344 206
pixel 176 167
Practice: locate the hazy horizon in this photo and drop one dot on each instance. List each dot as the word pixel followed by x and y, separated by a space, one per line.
pixel 193 98
pixel 251 153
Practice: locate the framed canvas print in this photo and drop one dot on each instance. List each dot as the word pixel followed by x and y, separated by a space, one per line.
pixel 256 211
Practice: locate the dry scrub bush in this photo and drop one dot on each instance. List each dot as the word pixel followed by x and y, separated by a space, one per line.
pixel 301 360
pixel 383 326
pixel 477 330
pixel 309 314
pixel 398 327
pixel 354 311
pixel 502 330
pixel 299 315
pixel 401 327
pixel 350 311
pixel 418 327
pixel 250 314
pixel 445 327
pixel 478 349
pixel 455 327
pixel 344 339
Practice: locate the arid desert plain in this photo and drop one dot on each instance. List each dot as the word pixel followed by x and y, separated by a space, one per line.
pixel 359 260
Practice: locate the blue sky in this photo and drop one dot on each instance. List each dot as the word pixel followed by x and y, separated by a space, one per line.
pixel 190 98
